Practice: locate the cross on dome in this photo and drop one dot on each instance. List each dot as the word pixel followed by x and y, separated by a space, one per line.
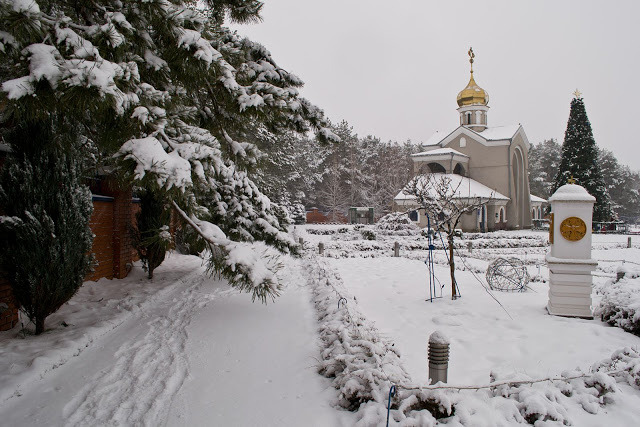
pixel 472 94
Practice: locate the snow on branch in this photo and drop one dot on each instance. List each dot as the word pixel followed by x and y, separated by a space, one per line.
pixel 250 267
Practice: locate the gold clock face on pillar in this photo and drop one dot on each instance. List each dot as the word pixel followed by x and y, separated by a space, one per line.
pixel 573 228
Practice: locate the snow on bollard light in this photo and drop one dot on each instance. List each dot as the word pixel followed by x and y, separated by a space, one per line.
pixel 438 357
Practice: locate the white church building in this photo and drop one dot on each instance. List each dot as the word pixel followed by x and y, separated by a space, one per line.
pixel 487 162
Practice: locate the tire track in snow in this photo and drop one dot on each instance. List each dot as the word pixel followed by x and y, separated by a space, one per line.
pixel 139 386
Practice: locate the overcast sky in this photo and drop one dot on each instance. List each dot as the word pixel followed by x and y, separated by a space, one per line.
pixel 394 68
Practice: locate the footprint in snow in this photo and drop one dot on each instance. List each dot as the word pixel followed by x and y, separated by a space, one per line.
pixel 445 321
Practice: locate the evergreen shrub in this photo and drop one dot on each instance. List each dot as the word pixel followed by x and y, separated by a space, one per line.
pixel 45 235
pixel 152 237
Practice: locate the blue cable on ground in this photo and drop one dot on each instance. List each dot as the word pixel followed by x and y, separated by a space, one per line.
pixel 429 262
pixel 392 392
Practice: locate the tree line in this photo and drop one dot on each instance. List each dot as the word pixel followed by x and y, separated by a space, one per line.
pixel 357 171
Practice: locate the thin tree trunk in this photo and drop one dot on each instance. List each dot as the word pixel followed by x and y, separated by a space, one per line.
pixel 452 267
pixel 39 324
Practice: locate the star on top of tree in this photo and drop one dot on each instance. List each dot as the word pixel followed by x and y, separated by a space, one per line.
pixel 577 94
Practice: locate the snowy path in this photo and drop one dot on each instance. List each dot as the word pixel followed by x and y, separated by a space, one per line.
pixel 255 364
pixel 198 354
pixel 147 373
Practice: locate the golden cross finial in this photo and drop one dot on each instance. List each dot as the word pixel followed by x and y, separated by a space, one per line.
pixel 471 56
pixel 571 180
pixel 577 93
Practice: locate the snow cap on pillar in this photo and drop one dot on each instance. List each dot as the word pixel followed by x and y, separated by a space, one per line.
pixel 571 193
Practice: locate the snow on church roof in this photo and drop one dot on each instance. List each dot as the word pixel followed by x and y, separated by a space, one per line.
pixel 496 133
pixel 537 199
pixel 439 152
pixel 467 188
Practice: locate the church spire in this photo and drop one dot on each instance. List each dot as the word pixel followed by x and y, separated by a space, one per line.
pixel 473 101
pixel 472 94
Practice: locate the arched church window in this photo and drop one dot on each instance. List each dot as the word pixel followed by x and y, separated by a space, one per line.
pixel 469 118
pixel 459 169
pixel 502 214
pixel 413 216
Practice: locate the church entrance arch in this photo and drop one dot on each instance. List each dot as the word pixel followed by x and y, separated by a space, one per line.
pixel 433 168
pixel 459 169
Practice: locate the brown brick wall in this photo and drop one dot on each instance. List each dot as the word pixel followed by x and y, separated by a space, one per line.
pixel 122 246
pixel 314 216
pixel 135 208
pixel 102 227
pixel 9 318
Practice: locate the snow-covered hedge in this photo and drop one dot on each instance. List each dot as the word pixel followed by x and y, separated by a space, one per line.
pixel 398 224
pixel 364 367
pixel 620 303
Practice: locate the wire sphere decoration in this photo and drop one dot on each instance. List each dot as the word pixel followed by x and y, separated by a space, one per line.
pixel 508 275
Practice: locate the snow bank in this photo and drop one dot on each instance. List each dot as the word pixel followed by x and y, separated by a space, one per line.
pixel 620 303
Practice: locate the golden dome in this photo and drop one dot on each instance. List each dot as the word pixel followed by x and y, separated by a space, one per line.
pixel 472 94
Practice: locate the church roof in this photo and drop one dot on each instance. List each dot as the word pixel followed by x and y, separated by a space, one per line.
pixel 537 199
pixel 439 152
pixel 496 133
pixel 466 188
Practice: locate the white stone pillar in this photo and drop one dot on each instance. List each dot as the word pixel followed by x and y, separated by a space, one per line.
pixel 569 259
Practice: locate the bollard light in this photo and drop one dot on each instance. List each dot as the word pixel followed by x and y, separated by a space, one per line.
pixel 438 357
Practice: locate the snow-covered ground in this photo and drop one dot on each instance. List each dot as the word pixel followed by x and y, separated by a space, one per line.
pixel 511 336
pixel 185 349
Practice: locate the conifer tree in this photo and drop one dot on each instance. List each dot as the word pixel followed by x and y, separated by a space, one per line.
pixel 44 234
pixel 152 237
pixel 165 93
pixel 580 160
pixel 544 161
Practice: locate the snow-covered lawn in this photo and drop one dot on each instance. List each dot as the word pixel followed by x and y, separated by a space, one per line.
pixel 513 337
pixel 484 338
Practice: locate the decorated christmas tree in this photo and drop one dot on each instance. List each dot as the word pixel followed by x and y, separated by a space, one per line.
pixel 580 160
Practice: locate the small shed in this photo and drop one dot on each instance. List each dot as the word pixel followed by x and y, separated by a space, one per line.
pixel 361 215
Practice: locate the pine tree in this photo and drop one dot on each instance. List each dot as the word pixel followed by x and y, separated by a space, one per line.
pixel 544 161
pixel 164 93
pixel 45 238
pixel 152 237
pixel 580 160
pixel 622 186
